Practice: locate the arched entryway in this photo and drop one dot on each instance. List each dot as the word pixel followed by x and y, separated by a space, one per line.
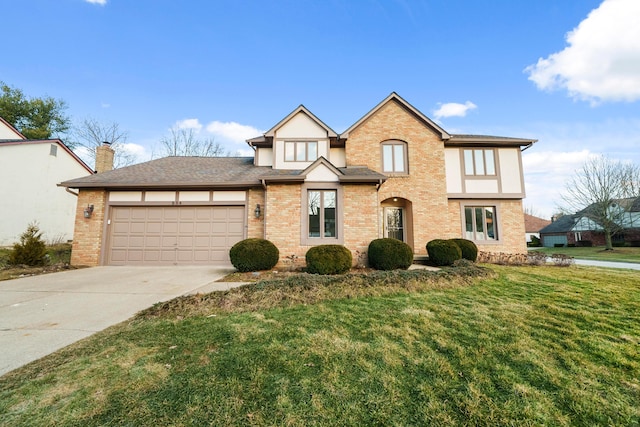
pixel 397 219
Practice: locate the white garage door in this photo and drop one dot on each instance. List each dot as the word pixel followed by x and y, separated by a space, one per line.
pixel 173 235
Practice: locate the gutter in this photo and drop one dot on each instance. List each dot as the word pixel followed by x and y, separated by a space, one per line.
pixel 70 192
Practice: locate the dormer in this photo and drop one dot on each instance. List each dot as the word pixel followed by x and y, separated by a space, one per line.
pixel 296 142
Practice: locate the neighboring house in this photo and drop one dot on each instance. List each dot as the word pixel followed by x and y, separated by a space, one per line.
pixel 393 173
pixel 533 225
pixel 29 173
pixel 576 228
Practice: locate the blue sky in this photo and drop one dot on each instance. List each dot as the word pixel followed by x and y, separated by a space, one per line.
pixel 565 72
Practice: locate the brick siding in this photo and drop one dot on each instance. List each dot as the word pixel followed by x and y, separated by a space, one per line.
pixel 87 236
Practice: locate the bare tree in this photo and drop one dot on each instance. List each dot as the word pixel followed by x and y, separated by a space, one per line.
pixel 90 134
pixel 600 191
pixel 184 142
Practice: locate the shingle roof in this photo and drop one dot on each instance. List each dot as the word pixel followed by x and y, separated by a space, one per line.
pixel 563 224
pixel 172 172
pixel 533 224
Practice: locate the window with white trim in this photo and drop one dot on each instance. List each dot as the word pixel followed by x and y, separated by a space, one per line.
pixel 300 151
pixel 479 161
pixel 480 223
pixel 394 157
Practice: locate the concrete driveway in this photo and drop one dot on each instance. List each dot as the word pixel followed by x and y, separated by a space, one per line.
pixel 41 314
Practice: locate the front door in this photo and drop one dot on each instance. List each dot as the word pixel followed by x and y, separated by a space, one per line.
pixel 394 223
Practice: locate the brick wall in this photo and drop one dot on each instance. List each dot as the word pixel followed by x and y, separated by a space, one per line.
pixel 424 187
pixel 361 220
pixel 282 222
pixel 87 236
pixel 255 226
pixel 511 235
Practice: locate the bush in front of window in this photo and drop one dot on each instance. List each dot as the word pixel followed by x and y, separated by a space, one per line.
pixel 468 248
pixel 443 252
pixel 254 255
pixel 389 254
pixel 328 259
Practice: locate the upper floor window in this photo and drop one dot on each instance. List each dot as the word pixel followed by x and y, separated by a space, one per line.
pixel 300 151
pixel 394 157
pixel 479 162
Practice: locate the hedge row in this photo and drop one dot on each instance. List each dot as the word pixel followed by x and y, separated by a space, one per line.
pixel 384 254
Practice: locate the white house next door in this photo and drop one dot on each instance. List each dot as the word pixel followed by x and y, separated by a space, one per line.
pixel 394 223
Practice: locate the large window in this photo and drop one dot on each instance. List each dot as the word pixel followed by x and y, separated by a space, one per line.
pixel 480 223
pixel 394 157
pixel 300 151
pixel 321 205
pixel 479 162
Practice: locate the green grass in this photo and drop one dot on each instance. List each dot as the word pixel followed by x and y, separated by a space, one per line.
pixel 523 346
pixel 621 254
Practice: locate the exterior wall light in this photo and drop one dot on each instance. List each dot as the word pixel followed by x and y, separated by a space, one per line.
pixel 256 211
pixel 88 211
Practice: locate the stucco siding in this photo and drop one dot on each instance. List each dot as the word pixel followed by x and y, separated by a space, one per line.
pixel 29 192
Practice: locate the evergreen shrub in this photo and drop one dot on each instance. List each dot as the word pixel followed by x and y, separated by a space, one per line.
pixel 254 255
pixel 31 250
pixel 468 248
pixel 389 254
pixel 443 252
pixel 328 259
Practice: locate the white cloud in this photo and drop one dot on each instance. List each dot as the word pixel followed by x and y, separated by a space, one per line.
pixel 546 174
pixel 136 150
pixel 100 2
pixel 453 109
pixel 232 131
pixel 189 124
pixel 602 59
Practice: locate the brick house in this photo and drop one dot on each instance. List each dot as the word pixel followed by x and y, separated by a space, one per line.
pixel 580 230
pixel 393 173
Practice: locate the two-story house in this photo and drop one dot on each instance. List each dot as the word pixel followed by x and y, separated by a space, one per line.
pixel 29 172
pixel 393 173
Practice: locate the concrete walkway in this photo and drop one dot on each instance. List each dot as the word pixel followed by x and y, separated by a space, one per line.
pixel 608 264
pixel 41 314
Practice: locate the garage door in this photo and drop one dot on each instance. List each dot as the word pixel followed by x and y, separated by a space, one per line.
pixel 173 235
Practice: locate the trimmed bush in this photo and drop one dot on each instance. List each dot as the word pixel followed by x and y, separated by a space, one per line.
pixel 389 254
pixel 443 252
pixel 254 255
pixel 468 248
pixel 31 250
pixel 328 259
pixel 584 244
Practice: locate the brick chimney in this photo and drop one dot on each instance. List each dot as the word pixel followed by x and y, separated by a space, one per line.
pixel 104 157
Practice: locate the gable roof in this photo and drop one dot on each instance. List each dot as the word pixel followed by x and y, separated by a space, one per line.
pixel 397 98
pixel 11 129
pixel 533 224
pixel 267 137
pixel 48 141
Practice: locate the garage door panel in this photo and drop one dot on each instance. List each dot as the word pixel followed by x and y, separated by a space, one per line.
pixel 153 227
pixel 186 227
pixel 167 235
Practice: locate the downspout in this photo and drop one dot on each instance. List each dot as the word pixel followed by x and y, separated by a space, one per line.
pixel 70 192
pixel 264 214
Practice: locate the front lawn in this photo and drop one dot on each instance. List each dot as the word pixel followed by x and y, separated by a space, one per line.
pixel 621 254
pixel 520 346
